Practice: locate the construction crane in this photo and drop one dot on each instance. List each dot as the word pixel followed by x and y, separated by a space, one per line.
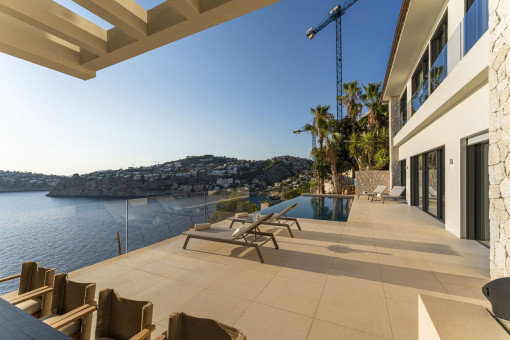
pixel 335 15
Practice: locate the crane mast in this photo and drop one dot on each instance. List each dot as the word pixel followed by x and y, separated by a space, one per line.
pixel 335 15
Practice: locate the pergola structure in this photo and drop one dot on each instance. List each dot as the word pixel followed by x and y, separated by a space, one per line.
pixel 49 34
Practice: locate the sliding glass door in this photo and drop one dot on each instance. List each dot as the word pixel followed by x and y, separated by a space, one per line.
pixel 478 192
pixel 427 182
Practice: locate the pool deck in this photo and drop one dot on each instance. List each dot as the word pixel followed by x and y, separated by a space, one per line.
pixel 358 279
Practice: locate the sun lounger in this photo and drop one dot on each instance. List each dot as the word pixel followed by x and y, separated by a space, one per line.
pixel 238 237
pixel 395 193
pixel 278 220
pixel 378 191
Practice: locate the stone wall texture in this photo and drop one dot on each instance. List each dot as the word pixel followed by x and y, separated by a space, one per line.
pixel 369 180
pixel 395 126
pixel 499 137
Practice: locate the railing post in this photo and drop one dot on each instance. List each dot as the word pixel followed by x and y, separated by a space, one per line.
pixel 127 225
pixel 205 207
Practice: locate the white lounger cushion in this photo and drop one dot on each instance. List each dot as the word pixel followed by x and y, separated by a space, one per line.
pixel 202 226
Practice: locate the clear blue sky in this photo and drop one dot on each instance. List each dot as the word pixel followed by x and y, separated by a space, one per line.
pixel 238 89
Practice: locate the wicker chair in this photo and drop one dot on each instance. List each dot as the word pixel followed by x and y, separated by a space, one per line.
pixel 35 287
pixel 122 319
pixel 72 307
pixel 186 327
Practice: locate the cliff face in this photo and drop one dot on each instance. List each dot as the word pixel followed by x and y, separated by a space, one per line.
pixel 191 176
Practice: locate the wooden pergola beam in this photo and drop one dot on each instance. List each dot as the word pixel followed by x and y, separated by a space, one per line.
pixel 126 15
pixel 55 19
pixel 24 41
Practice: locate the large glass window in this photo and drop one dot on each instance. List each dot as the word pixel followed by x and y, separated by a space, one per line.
pixel 478 192
pixel 403 107
pixel 439 55
pixel 420 83
pixel 432 182
pixel 427 182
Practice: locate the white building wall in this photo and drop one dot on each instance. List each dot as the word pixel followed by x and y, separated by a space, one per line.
pixel 467 118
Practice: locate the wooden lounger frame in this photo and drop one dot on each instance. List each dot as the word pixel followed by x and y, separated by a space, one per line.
pixel 255 230
pixel 282 216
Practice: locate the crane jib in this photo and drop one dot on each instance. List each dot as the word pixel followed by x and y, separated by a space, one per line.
pixel 335 15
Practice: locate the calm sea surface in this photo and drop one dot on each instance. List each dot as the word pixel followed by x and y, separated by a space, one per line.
pixel 72 233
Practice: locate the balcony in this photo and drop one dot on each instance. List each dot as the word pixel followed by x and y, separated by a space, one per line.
pixel 359 278
pixel 467 34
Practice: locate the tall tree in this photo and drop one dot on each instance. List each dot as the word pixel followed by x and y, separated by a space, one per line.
pixel 318 112
pixel 372 100
pixel 327 126
pixel 352 100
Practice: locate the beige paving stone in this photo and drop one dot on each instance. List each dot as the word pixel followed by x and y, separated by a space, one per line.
pixel 99 273
pixel 322 330
pixel 167 296
pixel 214 305
pixel 403 261
pixel 347 283
pixel 159 268
pixel 262 322
pixel 293 295
pixel 461 280
pixel 360 311
pixel 129 283
pixel 240 282
pixel 403 319
pixel 357 269
pixel 202 274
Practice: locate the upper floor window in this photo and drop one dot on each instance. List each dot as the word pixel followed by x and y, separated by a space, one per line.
pixel 469 3
pixel 439 54
pixel 403 107
pixel 420 83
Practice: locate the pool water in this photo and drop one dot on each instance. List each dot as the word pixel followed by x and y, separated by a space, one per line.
pixel 314 207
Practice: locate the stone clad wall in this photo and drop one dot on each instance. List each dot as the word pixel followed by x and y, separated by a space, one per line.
pixel 369 180
pixel 499 137
pixel 395 126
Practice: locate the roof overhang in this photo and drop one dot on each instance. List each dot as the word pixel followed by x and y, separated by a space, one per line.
pixel 48 34
pixel 415 22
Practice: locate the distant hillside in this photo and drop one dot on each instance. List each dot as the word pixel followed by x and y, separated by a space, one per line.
pixel 192 174
pixel 14 181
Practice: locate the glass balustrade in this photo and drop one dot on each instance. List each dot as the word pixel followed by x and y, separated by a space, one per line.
pixel 419 97
pixel 467 34
pixel 71 237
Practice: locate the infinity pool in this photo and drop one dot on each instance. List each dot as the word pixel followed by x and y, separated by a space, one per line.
pixel 315 207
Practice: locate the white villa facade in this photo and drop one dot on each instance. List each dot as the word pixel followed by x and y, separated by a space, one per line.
pixel 438 84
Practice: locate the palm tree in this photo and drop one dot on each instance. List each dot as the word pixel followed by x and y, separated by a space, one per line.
pixel 369 143
pixel 372 100
pixel 318 112
pixel 327 129
pixel 351 100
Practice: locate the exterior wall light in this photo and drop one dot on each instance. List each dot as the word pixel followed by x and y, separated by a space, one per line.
pixel 450 161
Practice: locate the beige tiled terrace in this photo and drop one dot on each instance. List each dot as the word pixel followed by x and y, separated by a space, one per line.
pixel 354 280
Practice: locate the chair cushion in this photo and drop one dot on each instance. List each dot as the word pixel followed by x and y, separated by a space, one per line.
pixel 30 306
pixel 241 215
pixel 68 330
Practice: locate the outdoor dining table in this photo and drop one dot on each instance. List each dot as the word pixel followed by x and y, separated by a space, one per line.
pixel 17 324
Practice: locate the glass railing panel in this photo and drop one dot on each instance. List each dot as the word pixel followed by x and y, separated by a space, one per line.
pixel 155 219
pixel 66 238
pixel 454 49
pixel 419 97
pixel 475 23
pixel 222 204
pixel 439 69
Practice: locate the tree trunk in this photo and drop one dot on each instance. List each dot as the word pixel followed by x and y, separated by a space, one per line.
pixel 336 182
